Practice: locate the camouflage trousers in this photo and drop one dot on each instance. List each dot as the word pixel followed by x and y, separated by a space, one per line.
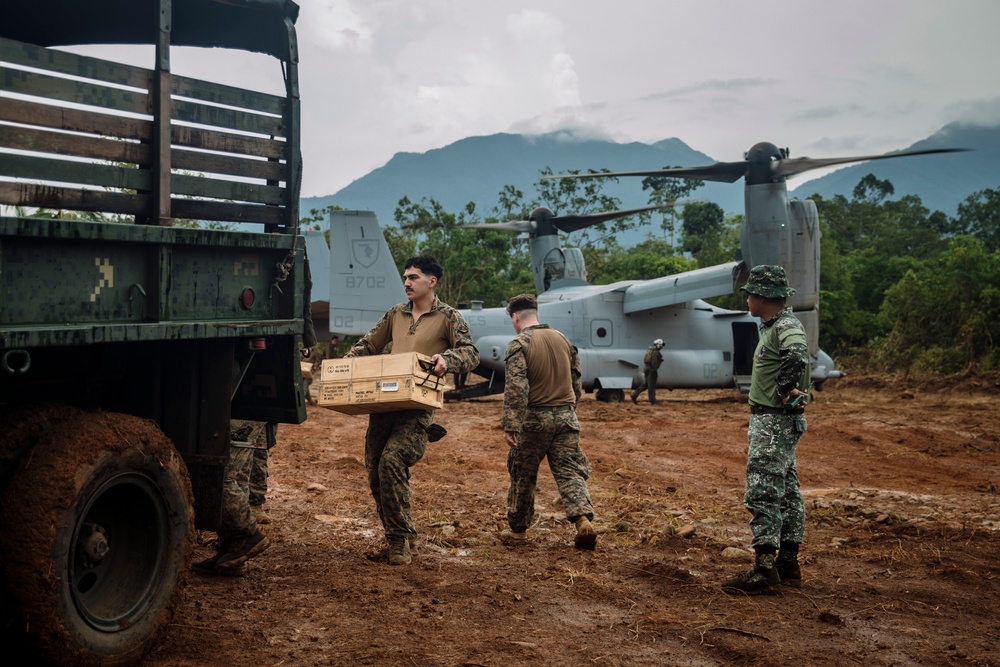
pixel 772 488
pixel 555 435
pixel 258 476
pixel 237 520
pixel 395 441
pixel 648 382
pixel 248 442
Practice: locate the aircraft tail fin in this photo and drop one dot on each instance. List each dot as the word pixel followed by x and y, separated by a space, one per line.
pixel 364 281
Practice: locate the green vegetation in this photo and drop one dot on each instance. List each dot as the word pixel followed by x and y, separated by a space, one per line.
pixel 906 289
pixel 903 289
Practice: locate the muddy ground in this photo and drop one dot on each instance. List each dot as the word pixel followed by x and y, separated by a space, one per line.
pixel 900 560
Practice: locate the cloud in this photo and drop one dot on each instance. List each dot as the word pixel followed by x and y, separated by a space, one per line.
pixel 568 128
pixel 712 86
pixel 892 74
pixel 975 112
pixel 334 25
pixel 481 84
pixel 535 26
pixel 384 76
pixel 829 112
pixel 846 145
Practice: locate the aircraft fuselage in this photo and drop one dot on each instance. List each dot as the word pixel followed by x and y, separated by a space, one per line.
pixel 699 348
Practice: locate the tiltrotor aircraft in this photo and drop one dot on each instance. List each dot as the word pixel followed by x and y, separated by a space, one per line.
pixel 613 325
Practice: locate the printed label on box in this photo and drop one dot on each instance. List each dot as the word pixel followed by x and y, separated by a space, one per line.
pixel 390 386
pixel 335 370
pixel 334 393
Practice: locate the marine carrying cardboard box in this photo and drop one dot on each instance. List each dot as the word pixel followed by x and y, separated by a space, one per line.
pixel 380 383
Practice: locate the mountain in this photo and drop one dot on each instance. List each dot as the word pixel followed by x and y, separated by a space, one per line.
pixel 941 181
pixel 476 169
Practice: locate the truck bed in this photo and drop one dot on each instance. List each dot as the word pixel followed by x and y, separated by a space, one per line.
pixel 72 283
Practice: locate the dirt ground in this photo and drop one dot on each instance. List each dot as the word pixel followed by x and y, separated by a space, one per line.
pixel 900 560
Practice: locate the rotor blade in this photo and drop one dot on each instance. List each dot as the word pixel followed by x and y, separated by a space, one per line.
pixel 793 166
pixel 572 223
pixel 723 172
pixel 516 226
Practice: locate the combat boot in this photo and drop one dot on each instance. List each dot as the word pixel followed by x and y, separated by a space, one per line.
pixel 207 566
pixel 378 555
pixel 787 565
pixel 760 579
pixel 260 514
pixel 635 399
pixel 399 551
pixel 586 536
pixel 242 550
pixel 512 538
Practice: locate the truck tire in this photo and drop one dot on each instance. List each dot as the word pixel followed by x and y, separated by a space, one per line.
pixel 97 529
pixel 22 426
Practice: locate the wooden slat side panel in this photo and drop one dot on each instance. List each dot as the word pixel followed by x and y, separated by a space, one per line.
pixel 218 93
pixel 80 173
pixel 196 209
pixel 191 137
pixel 230 119
pixel 45 196
pixel 77 92
pixel 223 164
pixel 214 131
pixel 75 120
pixel 58 143
pixel 213 188
pixel 30 55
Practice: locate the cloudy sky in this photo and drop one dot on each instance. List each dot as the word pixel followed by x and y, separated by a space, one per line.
pixel 822 77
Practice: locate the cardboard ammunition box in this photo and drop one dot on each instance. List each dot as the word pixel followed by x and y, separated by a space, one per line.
pixel 380 383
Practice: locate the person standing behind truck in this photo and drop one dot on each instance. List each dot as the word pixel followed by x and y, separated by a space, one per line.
pixel 239 536
pixel 396 441
pixel 651 365
pixel 543 385
pixel 259 475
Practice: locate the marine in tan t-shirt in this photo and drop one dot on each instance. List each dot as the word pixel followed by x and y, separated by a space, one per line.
pixel 543 385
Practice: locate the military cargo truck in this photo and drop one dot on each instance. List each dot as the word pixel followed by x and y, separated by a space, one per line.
pixel 127 339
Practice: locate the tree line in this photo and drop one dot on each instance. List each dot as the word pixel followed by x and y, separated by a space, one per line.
pixel 902 288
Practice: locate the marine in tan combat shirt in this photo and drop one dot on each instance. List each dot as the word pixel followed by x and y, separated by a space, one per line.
pixel 396 441
pixel 542 388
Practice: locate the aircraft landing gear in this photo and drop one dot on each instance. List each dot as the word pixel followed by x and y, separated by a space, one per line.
pixel 610 395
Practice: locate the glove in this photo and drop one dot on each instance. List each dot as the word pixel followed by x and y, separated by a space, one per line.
pixel 435 432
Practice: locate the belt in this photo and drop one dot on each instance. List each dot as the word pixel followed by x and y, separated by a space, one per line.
pixel 551 408
pixel 764 410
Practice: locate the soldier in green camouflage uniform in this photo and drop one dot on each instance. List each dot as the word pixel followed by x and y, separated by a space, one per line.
pixel 542 387
pixel 778 392
pixel 239 537
pixel 395 441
